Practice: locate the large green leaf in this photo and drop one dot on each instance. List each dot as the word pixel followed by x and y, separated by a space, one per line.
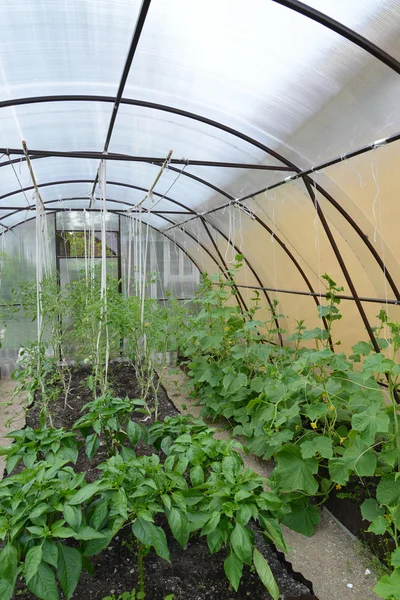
pixel 242 543
pixel 265 574
pixel 388 490
pixel 388 587
pixel 134 432
pixel 232 382
pixel 197 475
pixel 73 516
pixel 377 363
pixel 69 569
pixel 295 472
pixel 50 553
pixel 141 528
pixel 44 584
pixel 8 563
pixel 302 518
pixel 159 541
pixel 233 568
pixel 88 533
pixel 317 445
pixel 121 502
pixel 179 525
pixel 369 423
pixel 32 562
pixel 358 458
pixel 395 558
pixel 370 509
pixel 85 493
pixel 6 589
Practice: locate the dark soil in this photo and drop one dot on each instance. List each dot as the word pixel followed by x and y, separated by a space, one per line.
pixel 193 574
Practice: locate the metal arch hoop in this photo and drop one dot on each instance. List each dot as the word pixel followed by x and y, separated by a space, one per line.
pixel 182 113
pixel 212 123
pixel 351 35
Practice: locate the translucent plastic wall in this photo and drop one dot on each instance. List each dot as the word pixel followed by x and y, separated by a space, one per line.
pixel 18 266
pixel 169 270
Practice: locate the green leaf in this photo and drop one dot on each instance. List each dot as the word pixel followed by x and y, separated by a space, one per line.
pixel 358 458
pixel 265 574
pixel 99 514
pixel 395 558
pixel 242 543
pixel 73 516
pixel 370 509
pixel 179 525
pixel 69 569
pixel 142 530
pixel 134 432
pixel 363 348
pixel 273 531
pixel 88 533
pixel 6 589
pixel 388 490
pixel 84 493
pixel 294 472
pixel 50 553
pixel 92 445
pixel 388 587
pixel 233 568
pixel 197 475
pixel 232 382
pixel 43 584
pixel 378 526
pixel 369 423
pixel 32 562
pixel 159 541
pixel 377 363
pixel 212 523
pixel 121 502
pixel 317 445
pixel 303 518
pixel 8 563
pixel 215 540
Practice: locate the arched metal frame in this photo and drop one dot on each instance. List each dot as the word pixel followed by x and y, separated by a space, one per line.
pixel 308 12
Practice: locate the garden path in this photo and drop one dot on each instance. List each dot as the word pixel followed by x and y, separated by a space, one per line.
pixel 12 416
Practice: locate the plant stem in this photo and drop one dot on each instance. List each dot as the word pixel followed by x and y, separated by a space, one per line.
pixel 141 568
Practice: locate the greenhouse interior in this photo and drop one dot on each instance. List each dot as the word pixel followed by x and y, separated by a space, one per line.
pixel 200 290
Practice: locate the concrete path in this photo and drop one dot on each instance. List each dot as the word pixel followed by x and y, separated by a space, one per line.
pixel 331 559
pixel 12 415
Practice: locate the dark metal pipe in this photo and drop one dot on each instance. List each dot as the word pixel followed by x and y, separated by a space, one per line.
pixel 329 163
pixel 342 264
pixel 342 30
pixel 339 296
pixel 132 50
pixel 154 160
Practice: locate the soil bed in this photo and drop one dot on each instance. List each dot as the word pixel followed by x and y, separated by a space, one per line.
pixel 193 574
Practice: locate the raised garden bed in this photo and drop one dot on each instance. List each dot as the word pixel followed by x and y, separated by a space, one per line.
pixel 193 573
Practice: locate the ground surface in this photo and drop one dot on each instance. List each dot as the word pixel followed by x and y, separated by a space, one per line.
pixel 331 558
pixel 193 574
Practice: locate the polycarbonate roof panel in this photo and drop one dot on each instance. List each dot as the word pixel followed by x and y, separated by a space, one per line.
pixel 63 47
pixel 59 126
pixel 175 184
pixel 267 71
pixel 150 132
pixel 373 19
